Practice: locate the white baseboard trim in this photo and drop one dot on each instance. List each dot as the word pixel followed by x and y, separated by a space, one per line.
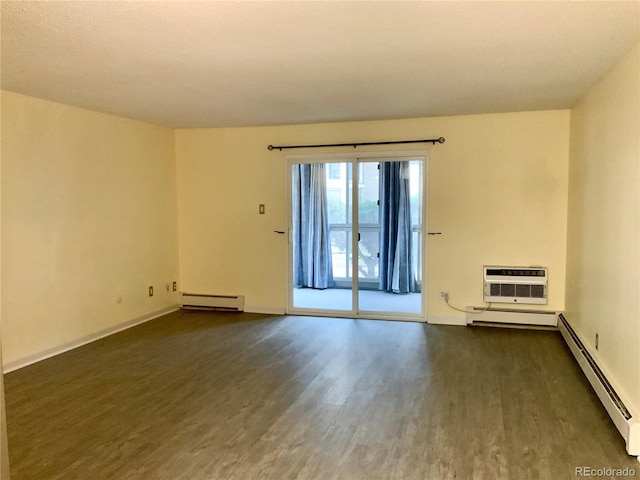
pixel 265 310
pixel 52 352
pixel 446 320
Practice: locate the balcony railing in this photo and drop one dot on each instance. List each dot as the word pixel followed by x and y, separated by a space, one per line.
pixel 368 254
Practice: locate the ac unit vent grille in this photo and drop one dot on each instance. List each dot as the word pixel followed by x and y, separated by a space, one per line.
pixel 523 290
pixel 507 290
pixel 537 291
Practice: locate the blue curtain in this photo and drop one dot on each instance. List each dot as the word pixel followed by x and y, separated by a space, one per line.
pixel 395 229
pixel 311 240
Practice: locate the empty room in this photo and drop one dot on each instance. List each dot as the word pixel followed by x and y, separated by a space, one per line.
pixel 320 240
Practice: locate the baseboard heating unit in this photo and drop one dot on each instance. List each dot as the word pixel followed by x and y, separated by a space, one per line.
pixel 627 424
pixel 510 317
pixel 196 301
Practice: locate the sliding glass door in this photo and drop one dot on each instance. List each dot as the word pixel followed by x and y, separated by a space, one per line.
pixel 356 237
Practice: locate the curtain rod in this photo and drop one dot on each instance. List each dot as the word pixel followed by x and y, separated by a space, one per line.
pixel 354 145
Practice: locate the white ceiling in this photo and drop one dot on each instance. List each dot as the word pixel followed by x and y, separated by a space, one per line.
pixel 211 64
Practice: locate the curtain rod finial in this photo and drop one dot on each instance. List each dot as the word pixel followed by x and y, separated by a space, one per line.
pixel 270 147
pixel 441 140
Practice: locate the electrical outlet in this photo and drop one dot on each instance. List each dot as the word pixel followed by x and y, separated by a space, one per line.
pixel 151 291
pixel 597 341
pixel 167 287
pixel 261 209
pixel 175 286
pixel 444 295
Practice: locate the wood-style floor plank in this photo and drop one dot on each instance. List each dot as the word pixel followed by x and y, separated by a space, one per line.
pixel 208 396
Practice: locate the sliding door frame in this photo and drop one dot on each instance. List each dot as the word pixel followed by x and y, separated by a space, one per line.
pixel 354 159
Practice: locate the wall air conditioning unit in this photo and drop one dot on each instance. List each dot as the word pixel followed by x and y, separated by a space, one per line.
pixel 515 285
pixel 196 301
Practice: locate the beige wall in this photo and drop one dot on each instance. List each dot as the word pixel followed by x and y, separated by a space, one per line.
pixel 89 212
pixel 603 261
pixel 88 216
pixel 497 191
pixel 4 446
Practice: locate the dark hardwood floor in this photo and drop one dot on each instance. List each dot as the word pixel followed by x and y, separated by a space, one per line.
pixel 243 396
